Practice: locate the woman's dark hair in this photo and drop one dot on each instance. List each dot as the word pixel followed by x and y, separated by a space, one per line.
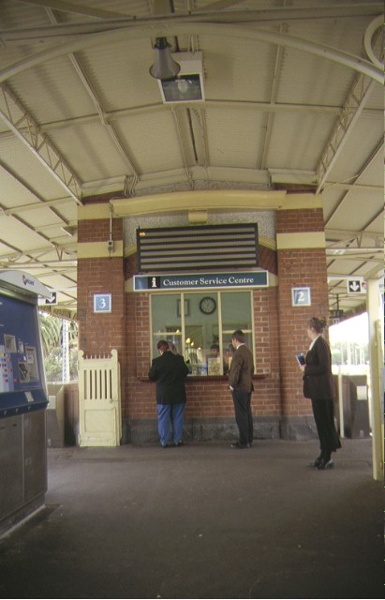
pixel 317 324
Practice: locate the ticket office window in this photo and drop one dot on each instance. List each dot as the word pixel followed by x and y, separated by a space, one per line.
pixel 200 326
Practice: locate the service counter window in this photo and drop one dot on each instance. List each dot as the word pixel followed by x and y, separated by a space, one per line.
pixel 200 325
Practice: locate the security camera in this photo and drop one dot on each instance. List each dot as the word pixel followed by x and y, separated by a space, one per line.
pixel 110 245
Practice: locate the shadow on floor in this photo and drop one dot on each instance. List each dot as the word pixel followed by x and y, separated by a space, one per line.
pixel 201 521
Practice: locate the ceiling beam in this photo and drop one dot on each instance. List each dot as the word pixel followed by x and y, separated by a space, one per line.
pixel 273 96
pixel 32 253
pixel 338 236
pixel 77 9
pixel 352 109
pixel 97 103
pixel 190 17
pixel 109 116
pixel 13 260
pixel 373 157
pixel 199 172
pixel 27 130
pixel 28 227
pixel 131 170
pixel 175 27
pixel 353 250
pixel 50 205
pixel 16 209
pixel 357 187
pixel 60 266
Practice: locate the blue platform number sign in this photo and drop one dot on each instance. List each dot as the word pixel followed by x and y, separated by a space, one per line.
pixel 300 296
pixel 102 303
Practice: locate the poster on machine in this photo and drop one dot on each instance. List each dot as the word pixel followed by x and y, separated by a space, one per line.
pixel 22 382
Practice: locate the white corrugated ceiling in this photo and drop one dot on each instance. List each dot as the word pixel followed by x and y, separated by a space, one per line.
pixel 293 100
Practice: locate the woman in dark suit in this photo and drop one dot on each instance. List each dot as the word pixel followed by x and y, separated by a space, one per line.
pixel 318 386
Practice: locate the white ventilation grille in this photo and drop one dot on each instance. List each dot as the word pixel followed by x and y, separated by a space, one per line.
pixel 197 248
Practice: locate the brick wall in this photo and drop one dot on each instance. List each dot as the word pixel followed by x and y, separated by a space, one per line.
pixel 280 329
pixel 206 398
pixel 302 267
pixel 293 221
pixel 99 333
pixel 98 230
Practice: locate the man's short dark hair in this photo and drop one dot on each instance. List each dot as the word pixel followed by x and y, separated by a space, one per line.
pixel 239 336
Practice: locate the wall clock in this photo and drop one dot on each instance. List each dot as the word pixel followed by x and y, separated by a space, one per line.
pixel 207 305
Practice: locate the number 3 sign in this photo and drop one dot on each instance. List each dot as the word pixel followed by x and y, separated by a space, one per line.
pixel 102 303
pixel 300 296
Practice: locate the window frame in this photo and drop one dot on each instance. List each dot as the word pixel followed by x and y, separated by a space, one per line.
pixel 182 300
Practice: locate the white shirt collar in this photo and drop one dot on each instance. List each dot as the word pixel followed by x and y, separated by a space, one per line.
pixel 314 341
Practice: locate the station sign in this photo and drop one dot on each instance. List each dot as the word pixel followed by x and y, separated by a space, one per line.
pixel 240 279
pixel 356 286
pixel 300 296
pixel 52 300
pixel 102 303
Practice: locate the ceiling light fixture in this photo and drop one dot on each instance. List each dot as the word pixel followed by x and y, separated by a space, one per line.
pixel 182 85
pixel 164 67
pixel 187 85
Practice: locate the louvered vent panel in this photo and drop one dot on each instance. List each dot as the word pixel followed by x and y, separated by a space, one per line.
pixel 197 248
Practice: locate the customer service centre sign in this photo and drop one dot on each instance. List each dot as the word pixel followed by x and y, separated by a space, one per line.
pixel 200 281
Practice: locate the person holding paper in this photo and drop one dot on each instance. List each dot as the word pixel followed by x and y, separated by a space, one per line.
pixel 318 386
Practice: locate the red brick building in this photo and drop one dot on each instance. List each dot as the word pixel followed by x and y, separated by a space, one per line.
pixel 291 252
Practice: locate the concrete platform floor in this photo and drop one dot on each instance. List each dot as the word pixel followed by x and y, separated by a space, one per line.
pixel 201 521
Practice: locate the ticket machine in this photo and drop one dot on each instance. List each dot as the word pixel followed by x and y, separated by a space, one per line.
pixel 23 399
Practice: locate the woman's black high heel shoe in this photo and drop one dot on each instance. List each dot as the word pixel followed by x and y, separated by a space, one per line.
pixel 325 464
pixel 317 462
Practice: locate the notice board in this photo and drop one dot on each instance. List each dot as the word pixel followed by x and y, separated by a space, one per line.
pixel 22 378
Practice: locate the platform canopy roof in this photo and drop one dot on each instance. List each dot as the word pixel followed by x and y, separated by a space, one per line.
pixel 291 99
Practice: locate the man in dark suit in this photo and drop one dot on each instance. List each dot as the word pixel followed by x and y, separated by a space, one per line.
pixel 241 386
pixel 169 371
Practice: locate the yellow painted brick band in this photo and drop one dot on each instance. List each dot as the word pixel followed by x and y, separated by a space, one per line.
pixel 313 239
pixel 301 201
pixel 267 242
pixel 99 250
pixel 90 212
pixel 207 200
pixel 202 200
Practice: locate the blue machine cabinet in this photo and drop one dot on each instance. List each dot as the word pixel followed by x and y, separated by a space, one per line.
pixel 23 399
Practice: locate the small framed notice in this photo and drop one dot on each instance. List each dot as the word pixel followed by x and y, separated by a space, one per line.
pixel 213 366
pixel 102 303
pixel 300 296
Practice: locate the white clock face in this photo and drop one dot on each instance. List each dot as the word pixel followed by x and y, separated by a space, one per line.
pixel 207 305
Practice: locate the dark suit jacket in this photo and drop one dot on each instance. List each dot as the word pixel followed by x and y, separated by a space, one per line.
pixel 169 371
pixel 317 377
pixel 241 370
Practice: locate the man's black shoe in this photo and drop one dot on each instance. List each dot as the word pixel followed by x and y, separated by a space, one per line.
pixel 239 446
